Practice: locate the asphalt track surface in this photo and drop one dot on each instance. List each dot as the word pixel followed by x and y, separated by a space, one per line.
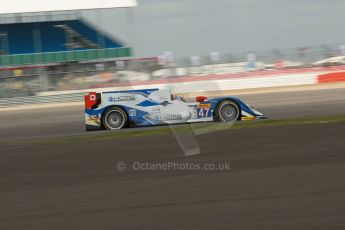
pixel 287 177
pixel 70 120
pixel 280 178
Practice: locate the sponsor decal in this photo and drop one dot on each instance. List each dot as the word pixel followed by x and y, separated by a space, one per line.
pixel 247 118
pixel 204 106
pixel 170 117
pixel 132 113
pixel 121 98
pixel 92 118
pixel 166 117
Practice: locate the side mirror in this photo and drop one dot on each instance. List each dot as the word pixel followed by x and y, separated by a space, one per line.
pixel 201 99
pixel 165 103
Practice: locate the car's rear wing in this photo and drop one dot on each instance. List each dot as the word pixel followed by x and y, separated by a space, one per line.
pixel 92 100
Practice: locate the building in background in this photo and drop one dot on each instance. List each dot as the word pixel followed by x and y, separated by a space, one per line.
pixel 41 42
pixel 44 36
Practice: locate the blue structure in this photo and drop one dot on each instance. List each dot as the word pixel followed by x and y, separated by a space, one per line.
pixel 53 36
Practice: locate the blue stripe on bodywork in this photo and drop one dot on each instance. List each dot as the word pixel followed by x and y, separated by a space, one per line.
pixel 148 103
pixel 140 91
pixel 243 106
pixel 94 111
pixel 137 120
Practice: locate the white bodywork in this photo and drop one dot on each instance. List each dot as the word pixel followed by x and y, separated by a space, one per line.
pixel 157 107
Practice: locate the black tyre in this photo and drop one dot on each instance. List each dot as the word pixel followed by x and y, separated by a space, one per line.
pixel 227 111
pixel 114 118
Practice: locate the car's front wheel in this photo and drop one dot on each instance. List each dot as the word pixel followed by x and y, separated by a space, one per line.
pixel 114 118
pixel 227 111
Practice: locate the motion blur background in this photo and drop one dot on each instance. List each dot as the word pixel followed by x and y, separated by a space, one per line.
pixel 286 58
pixel 102 48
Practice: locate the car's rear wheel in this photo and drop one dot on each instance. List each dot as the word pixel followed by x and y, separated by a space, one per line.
pixel 227 111
pixel 114 118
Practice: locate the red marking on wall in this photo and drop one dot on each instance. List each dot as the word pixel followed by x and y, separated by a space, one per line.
pixel 331 77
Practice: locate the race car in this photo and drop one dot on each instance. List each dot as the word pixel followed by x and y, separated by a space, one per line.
pixel 150 107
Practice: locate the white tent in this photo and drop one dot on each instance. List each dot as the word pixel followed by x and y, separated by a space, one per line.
pixel 331 60
pixel 33 6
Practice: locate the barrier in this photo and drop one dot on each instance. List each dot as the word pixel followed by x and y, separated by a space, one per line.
pixel 183 85
pixel 331 77
pixel 34 100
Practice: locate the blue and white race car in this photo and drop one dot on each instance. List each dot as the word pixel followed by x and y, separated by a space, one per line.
pixel 149 107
